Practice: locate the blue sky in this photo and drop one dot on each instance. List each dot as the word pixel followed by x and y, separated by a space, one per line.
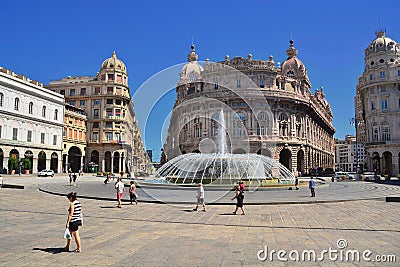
pixel 48 40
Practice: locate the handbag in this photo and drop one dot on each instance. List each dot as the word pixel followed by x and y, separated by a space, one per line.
pixel 67 234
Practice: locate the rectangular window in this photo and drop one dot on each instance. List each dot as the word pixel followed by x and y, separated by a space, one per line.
pixel 110 101
pixel 29 136
pixel 384 104
pixel 72 92
pixel 385 134
pixel 82 102
pixel 54 140
pixel 65 132
pixel 109 112
pixel 42 136
pixel 15 134
pixel 62 92
pixel 373 105
pixel 95 125
pixel 96 102
pixel 103 77
pixel 117 112
pixel 262 83
pixel 216 85
pixel 382 74
pixel 375 134
pixel 72 102
pixel 398 73
pixel 110 90
pixel 383 89
pixel 83 91
pixel 108 125
pixel 119 78
pixel 95 136
pixel 110 77
pixel 238 83
pixel 117 137
pixel 109 136
pixel 96 113
pixel 97 90
pixel 371 77
pixel 117 102
pixel 117 125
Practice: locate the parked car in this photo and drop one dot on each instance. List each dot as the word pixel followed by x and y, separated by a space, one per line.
pixel 46 173
pixel 368 176
pixel 344 176
pixel 329 172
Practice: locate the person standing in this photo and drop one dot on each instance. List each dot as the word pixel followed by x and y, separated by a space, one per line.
pixel 119 185
pixel 200 197
pixel 311 185
pixel 132 192
pixel 74 220
pixel 239 199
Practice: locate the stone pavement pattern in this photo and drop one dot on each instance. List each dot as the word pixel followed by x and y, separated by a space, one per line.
pixel 32 226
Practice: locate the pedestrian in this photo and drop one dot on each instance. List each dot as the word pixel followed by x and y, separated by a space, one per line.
pixel 242 186
pixel 75 178
pixel 70 176
pixel 119 185
pixel 200 197
pixel 132 192
pixel 296 183
pixel 74 220
pixel 311 185
pixel 239 199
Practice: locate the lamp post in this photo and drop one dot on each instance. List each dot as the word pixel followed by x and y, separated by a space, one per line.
pixel 353 121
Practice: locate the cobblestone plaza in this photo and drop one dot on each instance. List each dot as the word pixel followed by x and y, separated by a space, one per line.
pixel 173 235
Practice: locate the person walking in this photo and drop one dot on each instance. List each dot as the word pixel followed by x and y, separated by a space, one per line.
pixel 296 183
pixel 239 199
pixel 70 176
pixel 242 186
pixel 74 220
pixel 311 185
pixel 200 197
pixel 75 178
pixel 132 192
pixel 119 185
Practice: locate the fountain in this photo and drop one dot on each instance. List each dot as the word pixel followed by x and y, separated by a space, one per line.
pixel 225 169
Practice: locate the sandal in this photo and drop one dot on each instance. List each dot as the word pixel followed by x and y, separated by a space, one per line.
pixel 77 251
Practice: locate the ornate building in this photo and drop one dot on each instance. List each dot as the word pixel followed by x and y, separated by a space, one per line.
pixel 377 105
pixel 31 122
pixel 74 138
pixel 113 137
pixel 267 109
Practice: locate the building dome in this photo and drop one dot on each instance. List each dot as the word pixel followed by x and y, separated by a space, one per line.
pixel 113 63
pixel 192 70
pixel 293 67
pixel 381 43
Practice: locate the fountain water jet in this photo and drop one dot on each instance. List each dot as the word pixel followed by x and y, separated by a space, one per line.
pixel 223 168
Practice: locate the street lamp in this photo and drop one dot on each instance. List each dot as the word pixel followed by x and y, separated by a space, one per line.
pixel 353 121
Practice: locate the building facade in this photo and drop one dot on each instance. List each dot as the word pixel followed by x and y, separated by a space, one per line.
pixel 31 123
pixel 378 105
pixel 350 155
pixel 113 137
pixel 74 139
pixel 266 109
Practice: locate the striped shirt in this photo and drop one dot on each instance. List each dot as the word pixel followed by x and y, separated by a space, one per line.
pixel 77 215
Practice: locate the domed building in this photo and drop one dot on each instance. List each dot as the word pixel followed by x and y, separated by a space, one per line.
pixel 259 107
pixel 113 139
pixel 377 105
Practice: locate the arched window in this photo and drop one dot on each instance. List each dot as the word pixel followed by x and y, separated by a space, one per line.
pixel 56 114
pixel 16 104
pixel 30 109
pixel 1 99
pixel 44 111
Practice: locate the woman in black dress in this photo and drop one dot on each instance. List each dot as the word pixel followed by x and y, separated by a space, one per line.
pixel 239 199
